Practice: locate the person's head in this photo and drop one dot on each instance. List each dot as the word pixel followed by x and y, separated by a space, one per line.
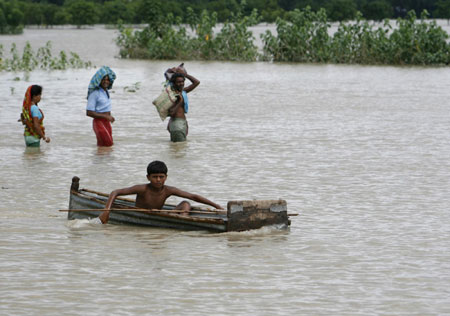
pixel 157 173
pixel 105 83
pixel 35 93
pixel 177 81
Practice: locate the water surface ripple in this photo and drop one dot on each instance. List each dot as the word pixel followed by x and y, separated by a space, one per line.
pixel 360 152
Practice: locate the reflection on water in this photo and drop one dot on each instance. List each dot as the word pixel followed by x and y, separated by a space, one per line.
pixel 269 234
pixel 80 224
pixel 179 149
pixel 361 153
pixel 105 150
pixel 32 152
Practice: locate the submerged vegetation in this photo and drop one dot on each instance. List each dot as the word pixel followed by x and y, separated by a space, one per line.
pixel 171 39
pixel 303 36
pixel 42 59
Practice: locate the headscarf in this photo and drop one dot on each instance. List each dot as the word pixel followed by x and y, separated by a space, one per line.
pixel 26 117
pixel 97 79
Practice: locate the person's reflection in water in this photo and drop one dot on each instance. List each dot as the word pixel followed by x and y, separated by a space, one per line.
pixel 32 152
pixel 178 149
pixel 101 151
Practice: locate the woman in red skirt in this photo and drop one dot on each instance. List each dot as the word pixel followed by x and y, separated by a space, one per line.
pixel 99 105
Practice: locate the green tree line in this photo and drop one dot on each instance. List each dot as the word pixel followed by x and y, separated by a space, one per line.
pixel 15 14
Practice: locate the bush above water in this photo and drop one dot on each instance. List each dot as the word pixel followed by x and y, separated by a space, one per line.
pixel 303 36
pixel 171 40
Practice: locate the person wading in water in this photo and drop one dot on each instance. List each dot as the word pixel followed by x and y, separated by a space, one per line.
pixel 99 105
pixel 178 126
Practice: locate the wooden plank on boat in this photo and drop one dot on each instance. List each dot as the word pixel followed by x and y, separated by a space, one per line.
pixel 140 210
pixel 133 201
pixel 107 195
pixel 253 214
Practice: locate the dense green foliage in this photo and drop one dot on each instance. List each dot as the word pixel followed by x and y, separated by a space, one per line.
pixel 14 14
pixel 42 59
pixel 172 40
pixel 303 36
pixel 11 17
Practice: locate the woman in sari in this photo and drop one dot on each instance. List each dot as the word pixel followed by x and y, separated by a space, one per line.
pixel 33 117
pixel 99 105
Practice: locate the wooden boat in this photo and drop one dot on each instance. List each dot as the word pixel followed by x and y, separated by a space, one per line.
pixel 239 216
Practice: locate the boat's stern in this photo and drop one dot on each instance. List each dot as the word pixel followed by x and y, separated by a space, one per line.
pixel 253 214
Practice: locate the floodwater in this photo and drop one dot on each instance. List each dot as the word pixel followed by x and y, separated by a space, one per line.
pixel 361 153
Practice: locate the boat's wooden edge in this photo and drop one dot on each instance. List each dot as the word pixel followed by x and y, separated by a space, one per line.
pixel 194 208
pixel 160 213
pixel 75 184
pixel 106 195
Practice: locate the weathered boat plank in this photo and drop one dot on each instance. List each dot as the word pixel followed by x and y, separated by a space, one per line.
pixel 244 215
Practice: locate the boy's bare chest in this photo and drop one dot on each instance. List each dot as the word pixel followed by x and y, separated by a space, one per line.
pixel 151 199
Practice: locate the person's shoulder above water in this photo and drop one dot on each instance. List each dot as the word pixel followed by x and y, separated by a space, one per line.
pixel 97 93
pixel 99 101
pixel 35 111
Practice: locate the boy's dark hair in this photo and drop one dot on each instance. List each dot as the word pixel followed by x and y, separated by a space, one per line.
pixel 35 90
pixel 175 76
pixel 156 167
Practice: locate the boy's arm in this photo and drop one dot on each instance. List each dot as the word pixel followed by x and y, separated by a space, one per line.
pixel 194 197
pixel 125 191
pixel 104 216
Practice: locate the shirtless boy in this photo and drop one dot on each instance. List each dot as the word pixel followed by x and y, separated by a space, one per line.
pixel 154 194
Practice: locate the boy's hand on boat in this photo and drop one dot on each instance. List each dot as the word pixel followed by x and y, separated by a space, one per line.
pixel 104 216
